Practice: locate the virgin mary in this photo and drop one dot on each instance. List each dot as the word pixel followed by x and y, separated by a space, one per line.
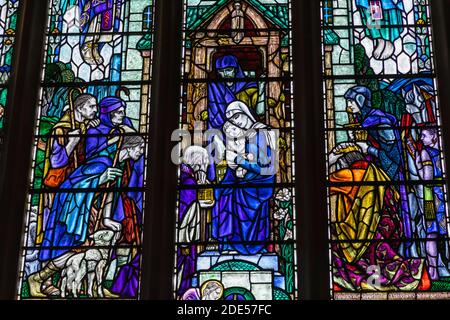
pixel 241 213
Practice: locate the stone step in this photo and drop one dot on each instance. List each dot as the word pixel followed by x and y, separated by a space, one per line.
pixel 259 283
pixel 264 261
pixel 278 278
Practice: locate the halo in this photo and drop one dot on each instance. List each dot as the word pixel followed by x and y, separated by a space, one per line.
pixel 207 283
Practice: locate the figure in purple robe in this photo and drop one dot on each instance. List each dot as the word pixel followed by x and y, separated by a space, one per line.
pixel 186 254
pixel 102 140
pixel 192 174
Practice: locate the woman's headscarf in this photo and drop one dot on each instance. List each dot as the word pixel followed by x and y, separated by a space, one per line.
pixel 239 107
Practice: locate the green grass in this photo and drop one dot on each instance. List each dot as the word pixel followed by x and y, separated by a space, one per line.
pixel 441 285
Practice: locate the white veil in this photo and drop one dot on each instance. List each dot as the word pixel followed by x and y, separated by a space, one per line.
pixel 240 107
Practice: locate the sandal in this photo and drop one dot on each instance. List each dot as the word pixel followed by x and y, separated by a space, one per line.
pixel 109 294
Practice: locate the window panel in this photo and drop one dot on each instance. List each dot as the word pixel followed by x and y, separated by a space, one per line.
pixel 8 23
pixel 83 231
pixel 236 202
pixel 387 190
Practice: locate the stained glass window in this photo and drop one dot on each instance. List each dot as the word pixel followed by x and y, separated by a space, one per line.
pixel 8 21
pixel 236 217
pixel 386 174
pixel 83 231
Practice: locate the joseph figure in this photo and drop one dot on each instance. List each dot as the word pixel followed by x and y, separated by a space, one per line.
pixel 232 86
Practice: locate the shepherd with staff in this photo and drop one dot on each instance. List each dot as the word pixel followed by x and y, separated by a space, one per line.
pixel 65 149
pixel 121 213
pixel 64 152
pixel 113 120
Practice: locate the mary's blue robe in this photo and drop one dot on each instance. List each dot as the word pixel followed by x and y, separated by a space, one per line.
pixel 97 144
pixel 241 213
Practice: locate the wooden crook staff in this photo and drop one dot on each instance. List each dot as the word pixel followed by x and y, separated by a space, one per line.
pixel 72 119
pixel 108 185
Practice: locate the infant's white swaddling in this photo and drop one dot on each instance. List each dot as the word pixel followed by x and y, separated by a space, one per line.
pixel 235 147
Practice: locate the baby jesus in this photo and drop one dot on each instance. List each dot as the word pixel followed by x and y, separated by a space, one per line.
pixel 240 172
pixel 235 146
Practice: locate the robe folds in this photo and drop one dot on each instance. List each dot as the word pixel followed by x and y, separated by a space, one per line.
pixel 241 213
pixel 107 10
pixel 72 211
pixel 367 230
pixel 97 143
pixel 390 29
pixel 220 95
pixel 187 253
pixel 386 152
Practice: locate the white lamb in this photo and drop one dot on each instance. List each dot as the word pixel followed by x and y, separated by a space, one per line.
pixel 91 262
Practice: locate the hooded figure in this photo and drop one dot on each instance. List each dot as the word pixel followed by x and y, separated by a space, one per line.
pixel 221 94
pixel 384 144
